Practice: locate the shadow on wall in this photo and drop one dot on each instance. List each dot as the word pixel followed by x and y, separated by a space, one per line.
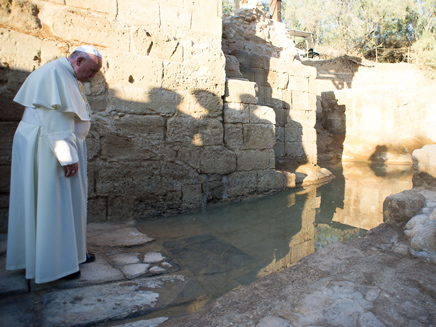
pixel 256 68
pixel 153 157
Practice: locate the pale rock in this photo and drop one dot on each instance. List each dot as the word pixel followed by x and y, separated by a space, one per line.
pixel 135 270
pixel 157 270
pixel 153 257
pixel 399 208
pixel 125 258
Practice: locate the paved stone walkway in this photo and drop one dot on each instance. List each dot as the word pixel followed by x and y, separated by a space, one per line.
pixel 129 279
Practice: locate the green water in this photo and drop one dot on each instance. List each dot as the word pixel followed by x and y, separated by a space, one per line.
pixel 227 246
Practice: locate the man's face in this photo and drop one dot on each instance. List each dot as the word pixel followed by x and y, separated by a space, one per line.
pixel 86 69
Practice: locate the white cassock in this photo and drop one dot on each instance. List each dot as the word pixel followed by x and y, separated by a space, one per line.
pixel 47 211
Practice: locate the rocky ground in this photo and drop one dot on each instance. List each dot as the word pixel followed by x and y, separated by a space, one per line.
pixel 372 281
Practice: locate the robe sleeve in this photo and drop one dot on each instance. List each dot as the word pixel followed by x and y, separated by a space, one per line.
pixel 58 129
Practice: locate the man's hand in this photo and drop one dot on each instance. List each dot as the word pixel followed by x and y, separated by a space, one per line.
pixel 71 170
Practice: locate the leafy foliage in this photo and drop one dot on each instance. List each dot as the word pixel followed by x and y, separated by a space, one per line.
pixel 366 27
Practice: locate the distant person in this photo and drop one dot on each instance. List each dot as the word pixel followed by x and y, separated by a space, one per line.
pixel 48 195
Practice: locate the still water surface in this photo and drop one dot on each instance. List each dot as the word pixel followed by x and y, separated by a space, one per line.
pixel 224 247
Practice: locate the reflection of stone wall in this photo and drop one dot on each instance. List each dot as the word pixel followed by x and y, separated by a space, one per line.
pixel 265 52
pixel 364 190
pixel 157 143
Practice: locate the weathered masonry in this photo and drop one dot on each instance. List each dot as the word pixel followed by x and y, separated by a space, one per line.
pixel 171 132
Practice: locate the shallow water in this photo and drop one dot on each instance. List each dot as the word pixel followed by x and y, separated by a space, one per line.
pixel 224 247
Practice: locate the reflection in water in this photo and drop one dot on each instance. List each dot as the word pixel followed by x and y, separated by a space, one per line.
pixel 224 247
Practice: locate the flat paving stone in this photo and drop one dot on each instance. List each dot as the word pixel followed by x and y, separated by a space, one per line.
pixel 98 303
pixel 153 257
pixel 12 282
pixel 123 259
pixel 123 237
pixel 97 272
pixel 17 313
pixel 135 270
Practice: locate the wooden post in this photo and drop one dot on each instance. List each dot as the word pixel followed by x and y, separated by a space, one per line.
pixel 237 4
pixel 275 9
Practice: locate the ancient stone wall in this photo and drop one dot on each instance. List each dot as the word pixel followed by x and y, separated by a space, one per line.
pixel 265 53
pixel 157 104
pixel 163 141
pixel 373 112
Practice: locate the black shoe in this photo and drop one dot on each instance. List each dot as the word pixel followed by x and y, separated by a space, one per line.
pixel 75 275
pixel 90 257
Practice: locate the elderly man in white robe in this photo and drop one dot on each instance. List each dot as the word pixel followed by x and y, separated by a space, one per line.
pixel 48 195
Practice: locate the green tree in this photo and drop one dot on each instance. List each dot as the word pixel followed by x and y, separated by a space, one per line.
pixel 363 25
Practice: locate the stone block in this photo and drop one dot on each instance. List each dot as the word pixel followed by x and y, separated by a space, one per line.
pixel 259 136
pixel 250 61
pixel 94 30
pixel 236 113
pixel 297 83
pixel 210 164
pixel 192 131
pixel 5 174
pixel 424 166
pixel 295 150
pixel 254 159
pixel 115 178
pixel 175 175
pixel 282 81
pixel 142 71
pixel 279 149
pixel 300 101
pixel 232 67
pixel 399 208
pixel 241 184
pixel 241 91
pixel 208 7
pixel 141 13
pixel 190 155
pixel 8 131
pixel 51 50
pixel 20 50
pixel 104 6
pixel 280 134
pixel 281 116
pixel 150 127
pixel 22 15
pixel 139 100
pixel 175 16
pixel 271 180
pixel 293 132
pixel 121 147
pixel 261 77
pixel 192 197
pixel 233 136
pixel 262 115
pixel 201 103
pixel 97 210
pixel 271 79
pixel 93 145
pixel 11 111
pixel 207 24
